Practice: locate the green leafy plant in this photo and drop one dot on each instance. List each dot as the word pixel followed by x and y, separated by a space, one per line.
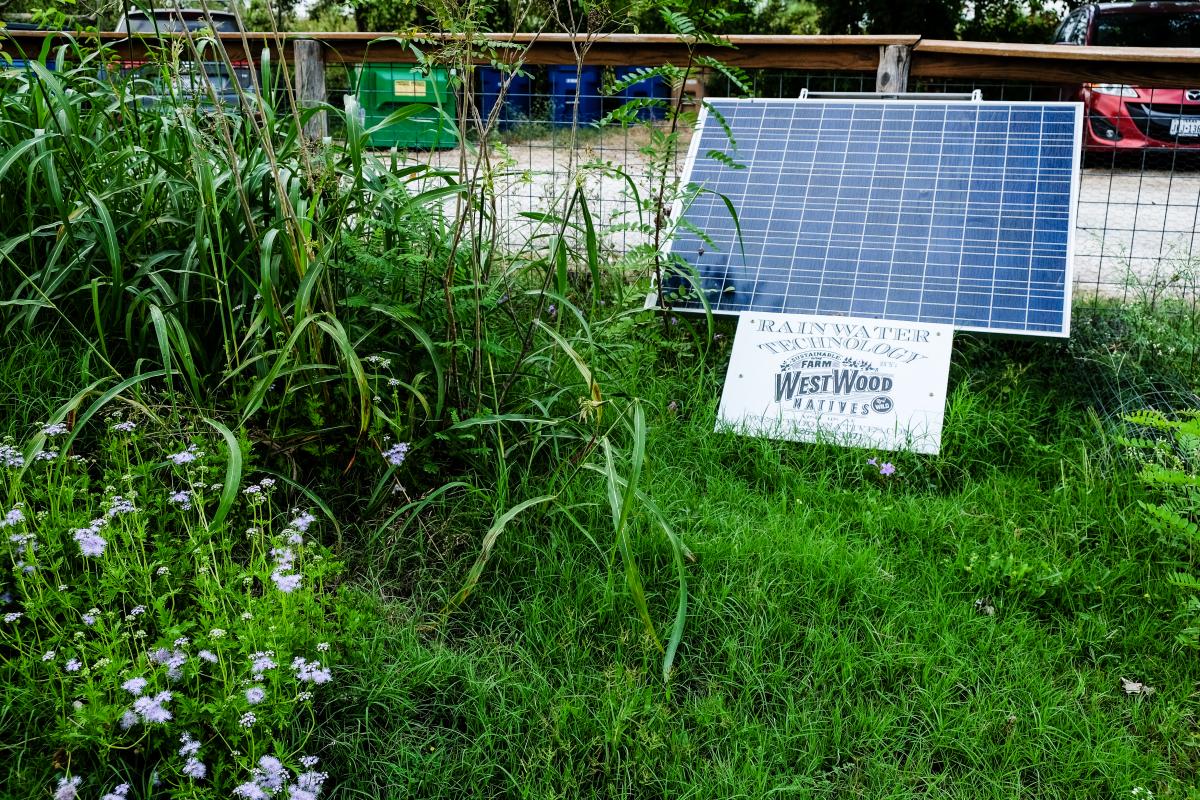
pixel 167 620
pixel 1170 451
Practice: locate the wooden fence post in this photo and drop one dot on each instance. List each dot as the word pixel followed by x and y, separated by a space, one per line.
pixel 892 75
pixel 309 65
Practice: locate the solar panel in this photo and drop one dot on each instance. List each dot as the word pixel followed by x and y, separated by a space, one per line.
pixel 924 211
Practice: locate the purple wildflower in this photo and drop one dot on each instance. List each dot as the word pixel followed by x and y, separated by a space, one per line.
pixel 308 785
pixel 188 745
pixel 119 505
pixel 73 665
pixel 207 655
pixel 872 462
pixel 286 583
pixel 887 468
pixel 182 499
pixel 89 618
pixel 250 791
pixel 284 558
pixel 270 774
pixel 68 788
pixel 310 671
pixel 310 781
pixel 57 429
pixel 396 454
pixel 128 720
pixel 153 709
pixel 187 456
pixel 255 695
pixel 194 769
pixel 11 457
pixel 172 659
pixel 91 543
pixel 12 517
pixel 302 522
pixel 118 792
pixel 261 662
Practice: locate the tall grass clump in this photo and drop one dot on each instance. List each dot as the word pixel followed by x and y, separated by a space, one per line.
pixel 195 239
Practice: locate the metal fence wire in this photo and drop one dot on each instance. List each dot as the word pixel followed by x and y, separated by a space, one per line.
pixel 1139 207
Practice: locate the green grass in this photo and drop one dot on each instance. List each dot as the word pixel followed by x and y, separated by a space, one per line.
pixel 834 647
pixel 37 376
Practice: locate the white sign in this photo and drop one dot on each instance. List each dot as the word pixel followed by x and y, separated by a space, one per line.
pixel 857 382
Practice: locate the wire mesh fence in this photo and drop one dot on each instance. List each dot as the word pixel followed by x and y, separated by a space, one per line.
pixel 1139 200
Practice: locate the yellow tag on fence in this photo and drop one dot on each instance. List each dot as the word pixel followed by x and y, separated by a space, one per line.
pixel 409 88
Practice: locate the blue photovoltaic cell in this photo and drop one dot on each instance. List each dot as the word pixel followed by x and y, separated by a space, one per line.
pixel 931 211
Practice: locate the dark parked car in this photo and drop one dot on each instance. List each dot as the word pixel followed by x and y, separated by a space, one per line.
pixel 1124 117
pixel 192 81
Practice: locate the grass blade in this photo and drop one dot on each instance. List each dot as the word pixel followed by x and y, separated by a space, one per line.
pixel 489 542
pixel 233 472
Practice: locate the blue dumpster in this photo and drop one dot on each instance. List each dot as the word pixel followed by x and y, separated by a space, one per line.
pixel 652 88
pixel 518 100
pixel 569 85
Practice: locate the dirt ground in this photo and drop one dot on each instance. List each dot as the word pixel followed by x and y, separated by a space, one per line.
pixel 1136 230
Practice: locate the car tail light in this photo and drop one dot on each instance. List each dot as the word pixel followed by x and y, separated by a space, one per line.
pixel 1104 128
pixel 1114 89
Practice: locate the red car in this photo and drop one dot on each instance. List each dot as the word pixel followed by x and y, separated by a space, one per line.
pixel 1123 117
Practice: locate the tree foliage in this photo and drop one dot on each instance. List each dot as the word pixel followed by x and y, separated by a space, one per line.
pixel 1012 21
pixel 985 20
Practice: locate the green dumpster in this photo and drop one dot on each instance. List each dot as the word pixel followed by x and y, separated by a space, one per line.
pixel 382 89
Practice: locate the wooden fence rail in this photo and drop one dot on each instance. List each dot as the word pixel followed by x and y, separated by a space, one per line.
pixel 892 58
